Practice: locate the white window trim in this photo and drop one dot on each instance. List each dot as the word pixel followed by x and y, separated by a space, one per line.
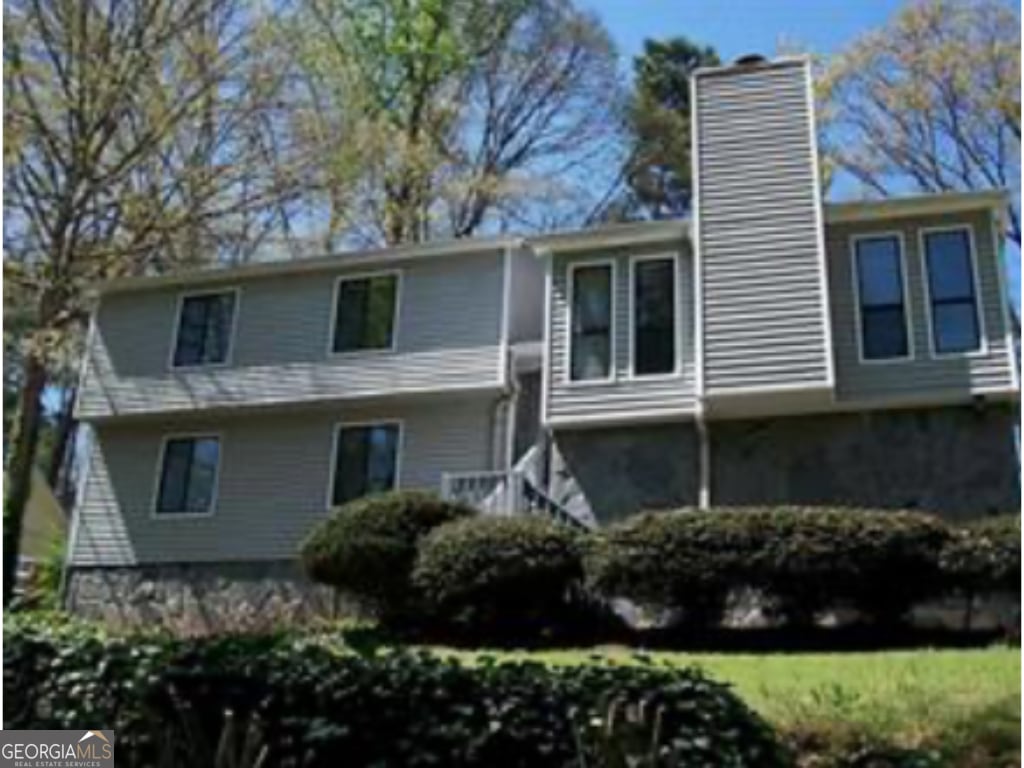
pixel 979 312
pixel 155 512
pixel 232 333
pixel 904 287
pixel 612 326
pixel 336 430
pixel 677 294
pixel 396 313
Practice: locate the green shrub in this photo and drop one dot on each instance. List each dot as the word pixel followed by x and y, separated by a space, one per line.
pixel 366 548
pixel 984 556
pixel 805 559
pixel 318 707
pixel 684 561
pixel 488 574
pixel 879 562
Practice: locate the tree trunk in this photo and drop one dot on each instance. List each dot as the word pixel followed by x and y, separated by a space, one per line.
pixel 57 459
pixel 24 438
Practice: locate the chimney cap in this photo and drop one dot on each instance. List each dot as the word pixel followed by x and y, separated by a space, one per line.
pixel 750 60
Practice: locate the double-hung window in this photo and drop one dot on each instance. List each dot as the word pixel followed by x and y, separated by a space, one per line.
pixel 365 460
pixel 188 475
pixel 654 316
pixel 951 291
pixel 204 329
pixel 590 287
pixel 365 312
pixel 878 261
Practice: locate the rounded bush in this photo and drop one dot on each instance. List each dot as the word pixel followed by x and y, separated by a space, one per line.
pixel 489 572
pixel 806 559
pixel 879 562
pixel 367 547
pixel 669 561
pixel 984 556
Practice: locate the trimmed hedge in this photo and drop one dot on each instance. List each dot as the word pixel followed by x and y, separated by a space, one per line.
pixel 807 560
pixel 984 556
pixel 367 547
pixel 495 574
pixel 313 706
pixel 667 561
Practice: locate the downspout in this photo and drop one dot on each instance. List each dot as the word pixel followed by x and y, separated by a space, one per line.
pixel 699 416
pixel 703 458
pixel 499 459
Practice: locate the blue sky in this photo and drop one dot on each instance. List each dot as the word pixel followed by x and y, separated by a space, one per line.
pixel 737 27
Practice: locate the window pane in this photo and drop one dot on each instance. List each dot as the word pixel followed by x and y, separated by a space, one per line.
pixel 366 313
pixel 383 452
pixel 591 323
pixel 956 327
pixel 380 312
pixel 878 270
pixel 880 288
pixel 654 298
pixel 885 333
pixel 350 470
pixel 949 265
pixel 220 312
pixel 174 476
pixel 204 329
pixel 203 474
pixel 366 461
pixel 191 332
pixel 352 300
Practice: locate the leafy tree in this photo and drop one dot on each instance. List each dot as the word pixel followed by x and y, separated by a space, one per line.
pixel 658 173
pixel 135 145
pixel 439 118
pixel 931 102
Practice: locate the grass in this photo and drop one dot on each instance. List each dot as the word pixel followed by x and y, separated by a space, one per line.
pixel 964 704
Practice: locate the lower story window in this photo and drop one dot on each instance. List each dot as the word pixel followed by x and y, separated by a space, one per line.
pixel 365 460
pixel 188 475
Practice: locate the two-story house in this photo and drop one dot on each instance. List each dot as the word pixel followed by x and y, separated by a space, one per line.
pixel 771 349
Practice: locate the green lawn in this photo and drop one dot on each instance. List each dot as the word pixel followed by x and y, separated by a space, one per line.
pixel 964 702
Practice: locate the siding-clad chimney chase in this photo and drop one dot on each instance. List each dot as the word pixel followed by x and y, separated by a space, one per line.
pixel 759 229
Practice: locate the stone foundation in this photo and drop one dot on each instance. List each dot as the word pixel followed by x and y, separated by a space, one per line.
pixel 612 473
pixel 200 598
pixel 959 462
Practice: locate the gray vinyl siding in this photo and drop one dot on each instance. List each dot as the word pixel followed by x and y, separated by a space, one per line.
pixel 447 336
pixel 764 312
pixel 623 397
pixel 526 288
pixel 923 375
pixel 274 477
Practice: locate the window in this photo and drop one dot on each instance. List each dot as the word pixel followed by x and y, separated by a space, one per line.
pixel 883 313
pixel 188 476
pixel 365 461
pixel 365 313
pixel 654 316
pixel 204 329
pixel 591 308
pixel 951 291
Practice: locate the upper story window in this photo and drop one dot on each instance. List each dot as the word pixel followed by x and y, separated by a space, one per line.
pixel 365 460
pixel 365 313
pixel 188 475
pixel 952 292
pixel 654 316
pixel 881 293
pixel 203 334
pixel 590 290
